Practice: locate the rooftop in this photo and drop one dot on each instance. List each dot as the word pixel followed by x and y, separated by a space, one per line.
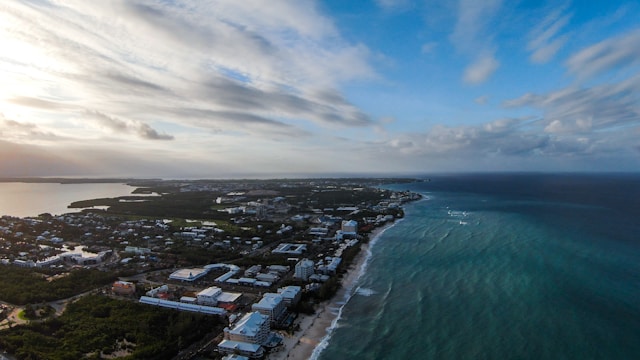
pixel 250 324
pixel 269 301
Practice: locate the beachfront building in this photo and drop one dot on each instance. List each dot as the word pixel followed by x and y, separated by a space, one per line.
pixel 348 230
pixel 331 265
pixel 271 305
pixel 247 336
pixel 304 269
pixel 349 227
pixel 290 295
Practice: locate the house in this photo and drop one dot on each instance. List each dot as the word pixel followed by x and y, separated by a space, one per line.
pixel 123 288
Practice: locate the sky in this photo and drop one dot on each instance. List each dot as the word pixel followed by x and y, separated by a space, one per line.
pixel 257 88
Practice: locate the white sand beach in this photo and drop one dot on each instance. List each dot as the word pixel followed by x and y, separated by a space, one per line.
pixel 313 328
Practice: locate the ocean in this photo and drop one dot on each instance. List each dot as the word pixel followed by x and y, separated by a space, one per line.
pixel 525 266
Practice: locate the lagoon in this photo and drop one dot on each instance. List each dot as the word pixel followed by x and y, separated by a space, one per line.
pixel 31 199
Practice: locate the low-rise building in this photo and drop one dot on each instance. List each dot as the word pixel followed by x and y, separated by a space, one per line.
pixel 290 249
pixel 123 288
pixel 209 296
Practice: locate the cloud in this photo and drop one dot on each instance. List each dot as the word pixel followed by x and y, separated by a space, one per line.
pixel 584 110
pixel 19 131
pixel 228 65
pixel 613 54
pixel 481 69
pixel 429 47
pixel 473 19
pixel 119 126
pixel 472 35
pixel 481 100
pixel 545 39
pixel 18 160
pixel 393 4
pixel 507 144
pixel 38 103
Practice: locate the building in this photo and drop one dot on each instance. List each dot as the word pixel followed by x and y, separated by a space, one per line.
pixel 123 288
pixel 331 266
pixel 348 230
pixel 209 296
pixel 290 295
pixel 156 292
pixel 349 227
pixel 188 274
pixel 271 305
pixel 252 271
pixel 182 306
pixel 278 269
pixel 235 357
pixel 252 328
pixel 247 336
pixel 290 249
pixel 245 350
pixel 137 250
pixel 304 269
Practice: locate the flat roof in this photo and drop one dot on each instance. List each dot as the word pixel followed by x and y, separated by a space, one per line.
pixel 290 291
pixel 269 301
pixel 287 248
pixel 227 297
pixel 239 345
pixel 188 274
pixel 210 291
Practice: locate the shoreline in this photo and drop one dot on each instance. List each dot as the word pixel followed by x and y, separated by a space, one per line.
pixel 316 329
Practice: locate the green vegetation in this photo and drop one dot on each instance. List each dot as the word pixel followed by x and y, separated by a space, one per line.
pixel 36 312
pixel 24 286
pixel 185 205
pixel 96 324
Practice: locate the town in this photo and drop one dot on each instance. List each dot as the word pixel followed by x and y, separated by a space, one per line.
pixel 252 254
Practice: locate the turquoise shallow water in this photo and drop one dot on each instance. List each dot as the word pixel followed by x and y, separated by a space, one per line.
pixel 508 275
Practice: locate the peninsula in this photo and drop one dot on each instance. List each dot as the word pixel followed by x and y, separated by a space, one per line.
pixel 258 260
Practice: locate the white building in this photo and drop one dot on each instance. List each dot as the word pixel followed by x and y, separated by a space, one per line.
pixel 349 227
pixel 290 249
pixel 209 296
pixel 235 357
pixel 188 274
pixel 304 269
pixel 290 295
pixel 271 305
pixel 252 328
pixel 246 350
pixel 247 336
pixel 331 266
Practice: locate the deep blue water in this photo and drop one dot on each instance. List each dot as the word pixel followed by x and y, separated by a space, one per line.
pixel 502 267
